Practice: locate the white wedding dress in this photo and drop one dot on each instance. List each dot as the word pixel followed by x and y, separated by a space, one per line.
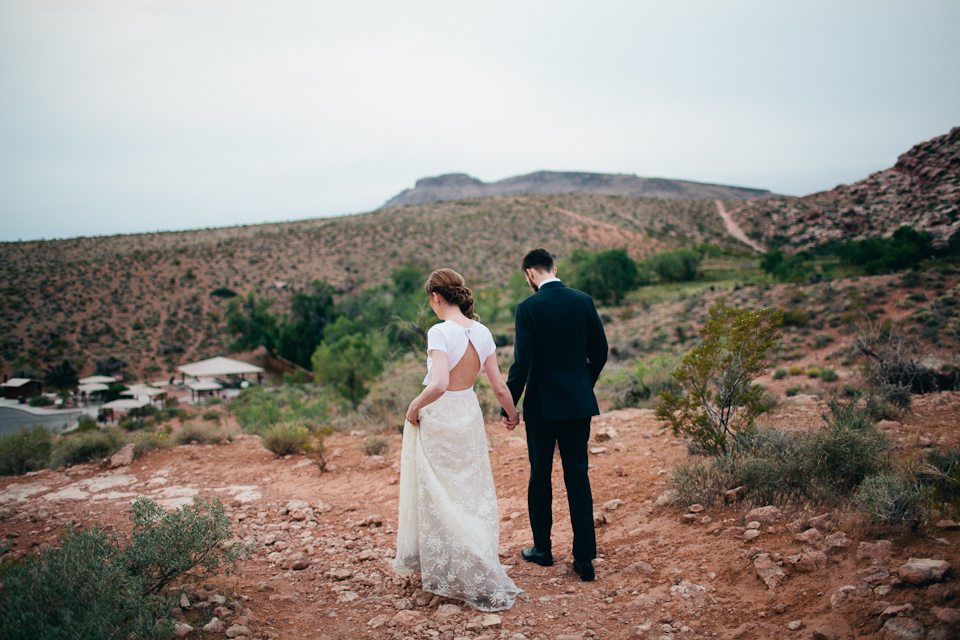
pixel 449 528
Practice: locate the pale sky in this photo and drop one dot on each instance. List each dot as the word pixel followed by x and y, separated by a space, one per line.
pixel 127 116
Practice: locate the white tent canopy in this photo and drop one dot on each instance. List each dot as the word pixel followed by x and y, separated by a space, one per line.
pixel 90 387
pixel 142 390
pixel 205 385
pixel 125 404
pixel 17 382
pixel 97 380
pixel 218 366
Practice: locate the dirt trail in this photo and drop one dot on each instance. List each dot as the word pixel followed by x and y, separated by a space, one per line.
pixel 734 229
pixel 660 575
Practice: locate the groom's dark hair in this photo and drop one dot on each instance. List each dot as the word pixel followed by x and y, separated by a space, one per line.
pixel 539 259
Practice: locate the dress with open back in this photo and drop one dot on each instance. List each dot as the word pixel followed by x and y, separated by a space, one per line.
pixel 449 528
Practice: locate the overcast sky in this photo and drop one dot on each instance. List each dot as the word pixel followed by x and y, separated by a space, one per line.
pixel 126 116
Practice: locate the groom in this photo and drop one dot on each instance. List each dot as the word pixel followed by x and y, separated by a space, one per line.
pixel 560 349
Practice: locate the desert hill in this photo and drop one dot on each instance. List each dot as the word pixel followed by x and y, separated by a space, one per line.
pixel 921 190
pixel 458 186
pixel 146 298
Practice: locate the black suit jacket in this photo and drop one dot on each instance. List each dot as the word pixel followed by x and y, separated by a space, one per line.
pixel 560 349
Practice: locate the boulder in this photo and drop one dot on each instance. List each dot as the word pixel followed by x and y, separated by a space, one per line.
pixel 810 536
pixel 902 629
pixel 835 543
pixel 809 562
pixel 764 515
pixel 919 571
pixel 124 457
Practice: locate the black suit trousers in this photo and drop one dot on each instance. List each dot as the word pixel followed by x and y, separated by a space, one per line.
pixel 571 436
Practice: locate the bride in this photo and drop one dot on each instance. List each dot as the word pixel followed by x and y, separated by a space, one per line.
pixel 449 527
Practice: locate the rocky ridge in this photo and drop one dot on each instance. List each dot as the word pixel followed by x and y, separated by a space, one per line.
pixel 460 186
pixel 921 190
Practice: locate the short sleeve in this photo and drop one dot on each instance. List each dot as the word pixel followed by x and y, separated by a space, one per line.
pixel 436 340
pixel 489 346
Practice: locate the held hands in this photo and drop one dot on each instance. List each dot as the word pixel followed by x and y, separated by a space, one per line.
pixel 511 423
pixel 413 414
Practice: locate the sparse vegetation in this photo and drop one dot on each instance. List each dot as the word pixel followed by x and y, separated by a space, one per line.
pixel 375 446
pixel 25 450
pixel 83 447
pixel 285 438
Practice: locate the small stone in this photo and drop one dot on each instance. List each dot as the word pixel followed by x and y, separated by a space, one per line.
pixel 347 596
pixel 825 633
pixel 403 604
pixel 373 462
pixel 612 505
pixel 447 611
pixel 184 601
pixel 372 520
pixel 182 629
pixel 873 575
pixel 879 550
pixel 214 626
pixel 895 610
pixel 810 536
pixel 919 571
pixel 902 629
pixel 706 520
pixel 823 523
pixel 750 534
pixel 378 621
pixel 755 524
pixel 124 457
pixel 296 562
pixel 638 567
pixel 734 495
pixel 665 498
pixel 840 595
pixel 293 505
pixel 769 571
pixel 368 554
pixel 216 598
pixel 491 621
pixel 222 612
pixel 948 525
pixel 600 518
pixel 689 518
pixel 835 542
pixel 408 618
pixel 764 514
pixel 421 598
pixel 798 526
pixel 949 617
pixel 810 562
pixel 339 573
pixel 238 630
pixel 888 425
pixel 796 625
pixel 695 508
pixel 883 590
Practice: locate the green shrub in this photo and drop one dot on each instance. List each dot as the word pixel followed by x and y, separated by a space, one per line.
pixel 150 441
pixel 96 585
pixel 780 373
pixel 41 401
pixel 607 276
pixel 829 375
pixel 130 423
pixel 780 467
pixel 83 447
pixel 647 379
pixel 25 450
pixel 822 340
pixel 375 446
pixel 198 433
pixel 890 498
pixel 86 423
pixel 795 318
pixel 285 438
pixel 719 400
pixel 814 372
pixel 211 415
pixel 793 391
pixel 796 370
pixel 257 408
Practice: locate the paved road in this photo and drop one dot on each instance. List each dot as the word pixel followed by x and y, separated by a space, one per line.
pixel 734 229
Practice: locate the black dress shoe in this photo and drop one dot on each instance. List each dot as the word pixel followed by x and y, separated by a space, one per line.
pixel 584 570
pixel 530 554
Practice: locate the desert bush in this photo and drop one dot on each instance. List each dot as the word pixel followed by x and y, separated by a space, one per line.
pixel 718 400
pixel 130 423
pixel 83 447
pixel 813 372
pixel 636 386
pixel 375 446
pixel 285 438
pixel 95 585
pixel 25 450
pixel 607 276
pixel 796 370
pixel 890 498
pixel 780 467
pixel 199 433
pixel 40 401
pixel 779 373
pixel 86 423
pixel 795 318
pixel 793 391
pixel 149 441
pixel 211 415
pixel 829 375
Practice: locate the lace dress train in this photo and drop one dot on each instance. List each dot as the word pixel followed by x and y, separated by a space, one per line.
pixel 449 527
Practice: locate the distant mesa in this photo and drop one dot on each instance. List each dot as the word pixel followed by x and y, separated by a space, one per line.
pixel 460 186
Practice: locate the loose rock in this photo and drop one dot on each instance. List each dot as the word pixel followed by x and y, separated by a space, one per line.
pixel 919 571
pixel 902 629
pixel 124 457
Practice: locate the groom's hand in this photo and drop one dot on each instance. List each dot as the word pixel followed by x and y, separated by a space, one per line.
pixel 511 424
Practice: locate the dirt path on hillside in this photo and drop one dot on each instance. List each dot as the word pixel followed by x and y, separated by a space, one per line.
pixel 662 573
pixel 638 245
pixel 734 229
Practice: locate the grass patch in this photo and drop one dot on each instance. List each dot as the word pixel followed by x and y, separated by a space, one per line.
pixel 285 438
pixel 84 447
pixel 375 446
pixel 198 433
pixel 25 450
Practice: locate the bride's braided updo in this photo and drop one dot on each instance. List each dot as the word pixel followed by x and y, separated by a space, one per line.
pixel 450 286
